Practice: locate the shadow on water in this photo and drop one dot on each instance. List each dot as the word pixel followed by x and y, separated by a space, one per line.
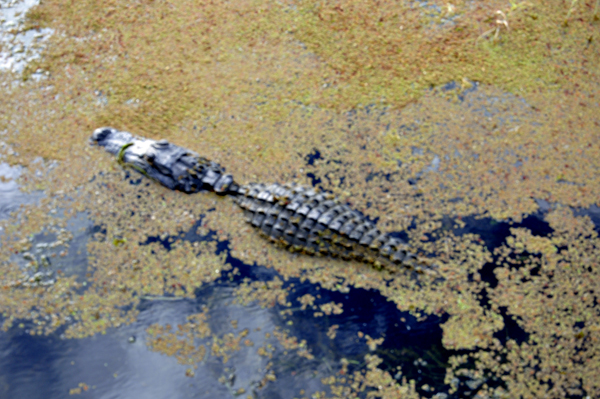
pixel 412 345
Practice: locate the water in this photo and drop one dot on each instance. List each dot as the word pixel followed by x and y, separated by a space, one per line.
pixel 119 365
pixel 19 46
pixel 111 366
pixel 11 197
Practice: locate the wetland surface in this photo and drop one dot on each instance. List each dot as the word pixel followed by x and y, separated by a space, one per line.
pixel 470 129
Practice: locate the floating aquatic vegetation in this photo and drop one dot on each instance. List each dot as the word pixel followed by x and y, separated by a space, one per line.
pixel 258 87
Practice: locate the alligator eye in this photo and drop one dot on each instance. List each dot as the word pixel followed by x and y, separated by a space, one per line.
pixel 160 144
pixel 101 133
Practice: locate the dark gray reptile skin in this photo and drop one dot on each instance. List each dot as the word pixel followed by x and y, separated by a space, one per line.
pixel 174 167
pixel 312 222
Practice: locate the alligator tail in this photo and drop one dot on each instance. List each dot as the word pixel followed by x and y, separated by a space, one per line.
pixel 317 223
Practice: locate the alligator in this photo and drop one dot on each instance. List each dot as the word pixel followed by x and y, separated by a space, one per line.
pixel 301 219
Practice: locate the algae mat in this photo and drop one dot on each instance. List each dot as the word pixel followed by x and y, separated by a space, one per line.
pixel 425 115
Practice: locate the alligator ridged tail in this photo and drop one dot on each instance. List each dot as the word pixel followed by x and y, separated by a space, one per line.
pixel 317 223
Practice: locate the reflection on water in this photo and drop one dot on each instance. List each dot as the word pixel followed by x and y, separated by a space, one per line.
pixel 119 365
pixel 107 366
pixel 11 198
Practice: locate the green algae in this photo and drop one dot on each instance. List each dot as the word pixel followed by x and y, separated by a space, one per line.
pixel 256 86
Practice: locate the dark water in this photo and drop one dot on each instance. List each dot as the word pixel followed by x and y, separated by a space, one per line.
pixel 111 366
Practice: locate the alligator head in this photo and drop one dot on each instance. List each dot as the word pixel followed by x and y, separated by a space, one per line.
pixel 174 167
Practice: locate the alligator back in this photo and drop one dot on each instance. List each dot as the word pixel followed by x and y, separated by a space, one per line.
pixel 306 220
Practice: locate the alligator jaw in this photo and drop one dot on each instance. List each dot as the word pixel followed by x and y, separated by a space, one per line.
pixel 111 139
